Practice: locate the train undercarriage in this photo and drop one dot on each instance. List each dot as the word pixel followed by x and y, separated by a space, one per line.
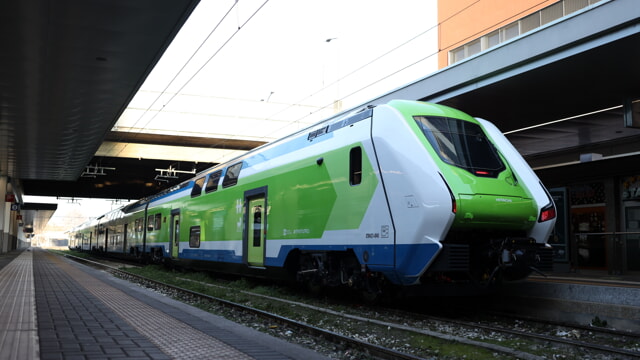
pixel 334 269
pixel 487 258
pixel 473 261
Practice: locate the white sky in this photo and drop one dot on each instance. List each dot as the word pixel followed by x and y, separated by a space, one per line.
pixel 277 73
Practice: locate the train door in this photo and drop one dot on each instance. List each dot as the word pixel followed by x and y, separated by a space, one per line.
pixel 174 233
pixel 255 226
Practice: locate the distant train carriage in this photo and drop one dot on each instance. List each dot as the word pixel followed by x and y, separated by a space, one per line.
pixel 403 193
pixel 82 237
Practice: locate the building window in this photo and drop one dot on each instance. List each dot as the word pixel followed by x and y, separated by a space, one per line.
pixel 575 5
pixel 551 13
pixel 518 27
pixel 530 22
pixel 456 55
pixel 473 48
pixel 510 31
pixel 492 39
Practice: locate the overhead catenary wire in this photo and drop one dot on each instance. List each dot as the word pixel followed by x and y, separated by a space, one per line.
pixel 324 88
pixel 435 27
pixel 240 26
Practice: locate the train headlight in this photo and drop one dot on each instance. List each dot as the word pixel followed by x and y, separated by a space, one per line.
pixel 547 213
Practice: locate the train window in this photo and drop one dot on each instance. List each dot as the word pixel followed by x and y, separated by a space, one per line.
pixel 257 226
pixel 212 183
pixel 462 144
pixel 150 223
pixel 231 177
pixel 355 165
pixel 138 225
pixel 157 221
pixel 196 190
pixel 194 237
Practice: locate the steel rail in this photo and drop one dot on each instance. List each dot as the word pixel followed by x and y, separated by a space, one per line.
pixel 549 338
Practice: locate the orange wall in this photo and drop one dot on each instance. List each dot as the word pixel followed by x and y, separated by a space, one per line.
pixel 460 21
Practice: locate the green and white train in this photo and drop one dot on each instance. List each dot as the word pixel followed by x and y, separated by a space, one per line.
pixel 404 193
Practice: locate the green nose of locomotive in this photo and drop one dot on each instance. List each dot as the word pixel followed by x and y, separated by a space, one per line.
pixel 499 202
pixel 486 191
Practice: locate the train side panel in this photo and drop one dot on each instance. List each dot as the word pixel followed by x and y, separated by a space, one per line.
pixel 211 224
pixel 135 219
pixel 314 203
pixel 159 226
pixel 338 208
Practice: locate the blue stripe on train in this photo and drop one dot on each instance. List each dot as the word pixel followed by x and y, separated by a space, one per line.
pixel 406 270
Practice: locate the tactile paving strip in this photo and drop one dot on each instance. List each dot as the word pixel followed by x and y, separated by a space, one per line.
pixel 173 337
pixel 18 333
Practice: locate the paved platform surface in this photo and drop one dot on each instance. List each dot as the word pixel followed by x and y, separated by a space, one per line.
pixel 53 308
pixel 18 332
pixel 579 298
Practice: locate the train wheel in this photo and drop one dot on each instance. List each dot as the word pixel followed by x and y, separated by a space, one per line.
pixel 156 255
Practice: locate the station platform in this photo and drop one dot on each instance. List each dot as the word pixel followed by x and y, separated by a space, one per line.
pixel 53 308
pixel 581 297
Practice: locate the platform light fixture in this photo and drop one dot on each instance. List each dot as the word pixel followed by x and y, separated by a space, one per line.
pixel 93 170
pixel 171 173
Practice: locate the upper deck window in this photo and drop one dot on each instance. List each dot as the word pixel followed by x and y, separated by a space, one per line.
pixel 231 177
pixel 212 182
pixel 462 144
pixel 196 190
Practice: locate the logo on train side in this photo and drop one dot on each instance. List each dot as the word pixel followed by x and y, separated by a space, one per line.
pixel 384 233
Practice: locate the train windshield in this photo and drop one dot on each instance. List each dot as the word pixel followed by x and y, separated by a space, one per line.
pixel 462 144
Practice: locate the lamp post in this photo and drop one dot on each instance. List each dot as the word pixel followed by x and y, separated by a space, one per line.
pixel 337 104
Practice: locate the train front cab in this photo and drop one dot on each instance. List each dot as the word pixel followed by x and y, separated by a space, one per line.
pixel 456 222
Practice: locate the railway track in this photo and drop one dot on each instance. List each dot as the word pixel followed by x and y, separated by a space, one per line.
pixel 513 343
pixel 595 339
